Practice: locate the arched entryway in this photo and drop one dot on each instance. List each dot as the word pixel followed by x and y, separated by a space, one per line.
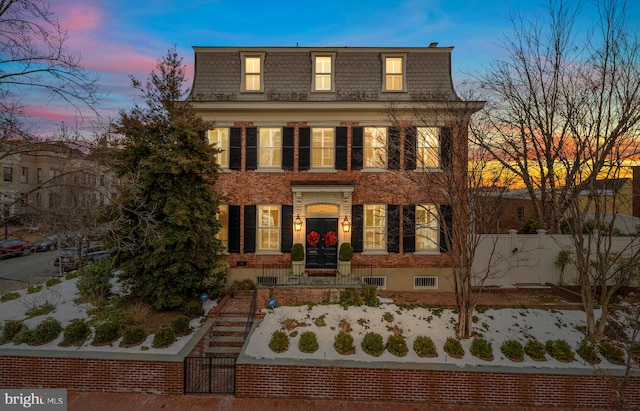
pixel 322 243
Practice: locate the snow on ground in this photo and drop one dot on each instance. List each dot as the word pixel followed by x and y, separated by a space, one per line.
pixel 496 325
pixel 63 296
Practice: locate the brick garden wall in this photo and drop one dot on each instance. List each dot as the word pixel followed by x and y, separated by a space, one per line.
pixel 432 387
pixel 99 375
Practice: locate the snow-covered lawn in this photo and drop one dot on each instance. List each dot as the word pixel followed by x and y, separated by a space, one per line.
pixel 64 296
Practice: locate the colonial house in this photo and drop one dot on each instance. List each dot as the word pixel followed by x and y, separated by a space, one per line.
pixel 318 146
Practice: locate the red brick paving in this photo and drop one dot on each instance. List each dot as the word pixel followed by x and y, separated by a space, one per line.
pixel 84 401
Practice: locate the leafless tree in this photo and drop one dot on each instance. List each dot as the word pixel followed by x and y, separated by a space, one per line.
pixel 565 112
pixel 34 59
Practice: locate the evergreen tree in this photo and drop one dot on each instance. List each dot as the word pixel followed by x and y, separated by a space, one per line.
pixel 164 221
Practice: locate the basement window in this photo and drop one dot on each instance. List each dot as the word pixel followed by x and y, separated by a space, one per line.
pixel 379 282
pixel 425 283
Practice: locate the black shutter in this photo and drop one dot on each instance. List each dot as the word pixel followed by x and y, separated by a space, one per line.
pixel 445 227
pixel 287 148
pixel 235 148
pixel 357 223
pixel 410 144
pixel 234 229
pixel 286 232
pixel 356 148
pixel 250 229
pixel 304 148
pixel 341 148
pixel 393 228
pixel 408 229
pixel 252 148
pixel 393 149
pixel 446 148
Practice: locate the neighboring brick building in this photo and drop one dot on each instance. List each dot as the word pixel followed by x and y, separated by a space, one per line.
pixel 308 148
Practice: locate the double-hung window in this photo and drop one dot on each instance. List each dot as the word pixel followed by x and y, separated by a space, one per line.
pixel 252 72
pixel 24 177
pixel 375 147
pixel 270 148
pixel 322 148
pixel 394 72
pixel 428 147
pixel 374 227
pixel 323 78
pixel 219 138
pixel 427 227
pixel 268 228
pixel 8 174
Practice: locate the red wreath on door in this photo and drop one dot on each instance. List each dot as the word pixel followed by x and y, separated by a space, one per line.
pixel 313 238
pixel 330 239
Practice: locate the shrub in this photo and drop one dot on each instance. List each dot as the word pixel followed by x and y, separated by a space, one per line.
pixel 193 309
pixel 164 338
pixel 388 317
pixel 25 335
pixel 53 281
pixel 588 351
pixel 133 336
pixel 482 349
pixel 308 342
pixel 34 289
pixel 137 312
pixel 215 281
pixel 279 342
pixel 76 332
pixel 397 345
pixel 373 344
pixel 611 352
pixel 246 284
pixel 94 279
pixel 43 309
pixel 72 275
pixel 343 343
pixel 513 350
pixel 536 350
pixel 560 350
pixel 424 347
pixel 47 331
pixel 345 253
pixel 9 297
pixel 369 296
pixel 297 252
pixel 10 329
pixel 453 348
pixel 350 298
pixel 180 325
pixel 106 331
pixel 320 321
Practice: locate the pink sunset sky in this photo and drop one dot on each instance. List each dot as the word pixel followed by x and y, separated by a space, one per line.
pixel 120 38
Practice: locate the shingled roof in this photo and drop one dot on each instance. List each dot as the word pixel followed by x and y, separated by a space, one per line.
pixel 288 74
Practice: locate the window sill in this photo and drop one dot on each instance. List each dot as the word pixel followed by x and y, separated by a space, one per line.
pixel 394 91
pixel 374 252
pixel 374 170
pixel 252 92
pixel 323 91
pixel 427 252
pixel 268 252
pixel 323 170
pixel 428 170
pixel 269 170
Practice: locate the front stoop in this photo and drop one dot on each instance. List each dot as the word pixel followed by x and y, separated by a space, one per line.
pixel 228 333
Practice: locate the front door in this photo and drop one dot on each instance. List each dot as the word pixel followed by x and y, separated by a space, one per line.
pixel 322 243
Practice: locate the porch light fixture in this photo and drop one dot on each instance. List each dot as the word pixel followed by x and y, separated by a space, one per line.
pixel 297 223
pixel 346 224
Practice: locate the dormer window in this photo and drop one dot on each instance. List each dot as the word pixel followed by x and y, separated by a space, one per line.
pixel 252 72
pixel 323 72
pixel 394 72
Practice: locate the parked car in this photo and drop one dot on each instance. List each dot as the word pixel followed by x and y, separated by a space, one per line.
pixel 12 247
pixel 50 243
pixel 70 259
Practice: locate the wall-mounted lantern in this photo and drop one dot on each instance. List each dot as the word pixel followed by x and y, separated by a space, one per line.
pixel 346 224
pixel 297 223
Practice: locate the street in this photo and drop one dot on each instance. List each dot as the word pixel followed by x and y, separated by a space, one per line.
pixel 21 272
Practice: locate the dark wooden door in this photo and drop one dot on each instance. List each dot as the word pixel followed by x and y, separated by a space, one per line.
pixel 322 254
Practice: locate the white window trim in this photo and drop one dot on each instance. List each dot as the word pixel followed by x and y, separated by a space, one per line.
pixel 227 148
pixel 422 167
pixel 376 169
pixel 263 251
pixel 333 71
pixel 375 251
pixel 328 169
pixel 270 169
pixel 384 72
pixel 436 248
pixel 243 85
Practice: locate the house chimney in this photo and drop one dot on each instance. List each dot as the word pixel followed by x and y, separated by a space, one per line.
pixel 434 44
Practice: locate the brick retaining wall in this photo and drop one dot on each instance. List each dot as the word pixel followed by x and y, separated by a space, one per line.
pixel 432 386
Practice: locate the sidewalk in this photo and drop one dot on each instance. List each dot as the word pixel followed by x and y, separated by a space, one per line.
pixel 88 401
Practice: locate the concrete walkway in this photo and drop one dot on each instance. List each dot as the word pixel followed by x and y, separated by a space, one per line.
pixel 141 402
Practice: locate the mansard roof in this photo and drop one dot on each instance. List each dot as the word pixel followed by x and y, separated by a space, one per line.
pixel 288 73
